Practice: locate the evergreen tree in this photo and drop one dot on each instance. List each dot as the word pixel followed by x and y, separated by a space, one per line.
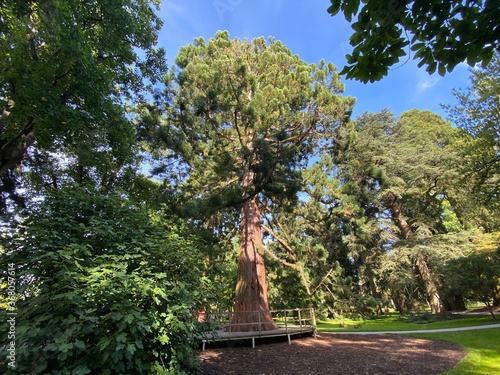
pixel 478 114
pixel 404 168
pixel 246 116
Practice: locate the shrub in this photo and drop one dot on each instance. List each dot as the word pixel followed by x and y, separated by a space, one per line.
pixel 105 288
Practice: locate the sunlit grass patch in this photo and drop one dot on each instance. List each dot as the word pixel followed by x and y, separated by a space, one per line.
pixel 395 322
pixel 482 345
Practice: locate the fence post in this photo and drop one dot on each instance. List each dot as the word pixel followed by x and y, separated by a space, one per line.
pixel 300 320
pixel 313 317
pixel 286 322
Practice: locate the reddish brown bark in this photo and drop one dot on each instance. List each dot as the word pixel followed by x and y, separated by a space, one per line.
pixel 251 289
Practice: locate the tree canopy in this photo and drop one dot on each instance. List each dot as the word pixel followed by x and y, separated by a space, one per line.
pixel 250 104
pixel 477 113
pixel 245 117
pixel 67 69
pixel 440 34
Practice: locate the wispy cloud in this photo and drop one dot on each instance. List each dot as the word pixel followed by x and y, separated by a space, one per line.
pixel 181 24
pixel 426 82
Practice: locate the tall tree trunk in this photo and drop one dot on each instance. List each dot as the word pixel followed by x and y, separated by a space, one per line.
pixel 251 289
pixel 431 291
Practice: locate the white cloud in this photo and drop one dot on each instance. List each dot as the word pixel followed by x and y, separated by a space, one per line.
pixel 426 82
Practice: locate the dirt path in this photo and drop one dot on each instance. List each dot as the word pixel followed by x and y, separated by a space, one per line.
pixel 333 354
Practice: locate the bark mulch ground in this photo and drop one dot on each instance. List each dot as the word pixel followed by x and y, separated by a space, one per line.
pixel 332 354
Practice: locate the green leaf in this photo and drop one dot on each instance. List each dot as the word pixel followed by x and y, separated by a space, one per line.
pixel 350 8
pixel 334 8
pixel 79 344
pixel 442 70
pixel 81 370
pixel 131 348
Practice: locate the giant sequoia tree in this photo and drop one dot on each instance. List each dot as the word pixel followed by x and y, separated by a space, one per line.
pixel 245 116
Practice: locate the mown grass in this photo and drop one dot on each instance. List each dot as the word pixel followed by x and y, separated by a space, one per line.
pixel 482 345
pixel 395 322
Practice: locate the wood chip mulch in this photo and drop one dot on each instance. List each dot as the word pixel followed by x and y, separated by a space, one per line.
pixel 333 354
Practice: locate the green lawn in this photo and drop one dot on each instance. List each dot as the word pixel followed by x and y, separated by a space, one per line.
pixel 395 322
pixel 482 345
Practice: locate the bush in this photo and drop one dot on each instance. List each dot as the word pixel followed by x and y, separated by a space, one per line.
pixel 105 288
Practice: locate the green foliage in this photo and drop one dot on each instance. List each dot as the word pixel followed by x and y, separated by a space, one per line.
pixel 477 113
pixel 441 34
pixel 400 201
pixel 106 287
pixel 67 68
pixel 313 268
pixel 240 120
pixel 236 106
pixel 385 197
pixel 477 276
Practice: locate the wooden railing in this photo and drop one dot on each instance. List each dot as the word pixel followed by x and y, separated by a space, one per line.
pixel 296 320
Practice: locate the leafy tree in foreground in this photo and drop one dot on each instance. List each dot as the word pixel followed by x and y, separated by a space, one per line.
pixel 105 287
pixel 245 115
pixel 66 68
pixel 441 33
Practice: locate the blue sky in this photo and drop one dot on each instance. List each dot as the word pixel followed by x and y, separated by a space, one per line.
pixel 309 31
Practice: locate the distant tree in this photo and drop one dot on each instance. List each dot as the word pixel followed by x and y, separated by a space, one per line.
pixel 376 211
pixel 360 155
pixel 245 116
pixel 477 276
pixel 400 171
pixel 307 258
pixel 441 33
pixel 66 70
pixel 478 114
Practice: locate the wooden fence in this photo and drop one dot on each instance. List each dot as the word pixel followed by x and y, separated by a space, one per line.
pixel 289 321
